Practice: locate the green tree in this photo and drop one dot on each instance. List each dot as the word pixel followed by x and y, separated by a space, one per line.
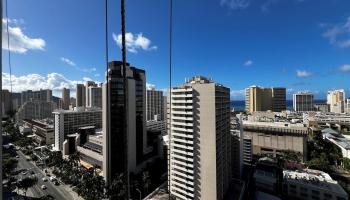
pixel 291 155
pixel 117 189
pixel 74 159
pixel 9 164
pixel 27 183
pixel 346 163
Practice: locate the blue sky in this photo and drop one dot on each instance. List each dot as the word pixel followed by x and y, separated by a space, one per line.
pixel 303 45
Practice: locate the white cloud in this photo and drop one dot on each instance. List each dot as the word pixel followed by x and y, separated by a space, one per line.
pixel 19 41
pixel 235 4
pixel 150 86
pixel 97 75
pixel 345 68
pixel 248 63
pixel 134 42
pixel 68 61
pixel 53 81
pixel 71 63
pixel 338 34
pixel 244 4
pixel 237 94
pixel 303 73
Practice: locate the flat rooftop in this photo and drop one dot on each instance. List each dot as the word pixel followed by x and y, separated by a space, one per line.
pixel 313 178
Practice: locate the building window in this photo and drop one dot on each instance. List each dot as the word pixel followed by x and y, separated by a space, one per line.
pixel 315 192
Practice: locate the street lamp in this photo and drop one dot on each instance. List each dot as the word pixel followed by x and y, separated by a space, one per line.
pixel 139 193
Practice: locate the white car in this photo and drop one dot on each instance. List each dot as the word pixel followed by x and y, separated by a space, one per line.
pixel 53 178
pixel 43 187
pixel 17 156
pixel 44 179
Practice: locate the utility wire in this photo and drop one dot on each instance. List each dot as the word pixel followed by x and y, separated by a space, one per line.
pixel 122 10
pixel 170 83
pixel 9 52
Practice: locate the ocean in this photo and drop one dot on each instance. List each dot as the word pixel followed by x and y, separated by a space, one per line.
pixel 240 105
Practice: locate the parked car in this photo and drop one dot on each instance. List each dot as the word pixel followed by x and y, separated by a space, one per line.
pixel 43 187
pixel 44 179
pixel 24 172
pixel 17 156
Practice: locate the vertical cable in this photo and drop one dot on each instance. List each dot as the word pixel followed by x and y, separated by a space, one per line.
pixel 108 175
pixel 9 52
pixel 170 83
pixel 125 98
pixel 1 32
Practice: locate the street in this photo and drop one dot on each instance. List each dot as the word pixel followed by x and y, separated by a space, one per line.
pixel 57 191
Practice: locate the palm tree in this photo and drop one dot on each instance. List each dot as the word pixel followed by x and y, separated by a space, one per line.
pixel 26 183
pixel 117 189
pixel 74 159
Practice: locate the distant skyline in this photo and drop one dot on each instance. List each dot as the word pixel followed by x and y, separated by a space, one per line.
pixel 303 45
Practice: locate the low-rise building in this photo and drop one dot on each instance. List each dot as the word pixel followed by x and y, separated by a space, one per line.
pixel 43 131
pixel 311 184
pixel 271 138
pixel 68 122
pixel 338 139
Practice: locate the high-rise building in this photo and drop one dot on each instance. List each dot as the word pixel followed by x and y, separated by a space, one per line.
pixel 6 102
pixel 336 100
pixel 35 110
pixel 303 101
pixel 200 140
pixel 65 98
pixel 87 92
pixel 263 99
pixel 124 133
pixel 95 97
pixel 68 122
pixel 155 105
pixel 81 95
pixel 40 95
pixel 347 106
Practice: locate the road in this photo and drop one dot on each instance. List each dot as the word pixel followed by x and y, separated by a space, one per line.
pixel 57 191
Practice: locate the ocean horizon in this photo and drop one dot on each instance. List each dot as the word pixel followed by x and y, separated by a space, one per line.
pixel 239 105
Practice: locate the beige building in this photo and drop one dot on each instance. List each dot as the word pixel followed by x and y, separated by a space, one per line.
pixel 270 138
pixel 336 100
pixel 65 98
pixel 200 141
pixel 155 105
pixel 263 99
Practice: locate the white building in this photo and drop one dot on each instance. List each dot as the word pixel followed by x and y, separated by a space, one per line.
pixel 68 122
pixel 200 144
pixel 312 184
pixel 303 102
pixel 338 139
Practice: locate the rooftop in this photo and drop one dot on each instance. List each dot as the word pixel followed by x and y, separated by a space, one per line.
pixel 313 178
